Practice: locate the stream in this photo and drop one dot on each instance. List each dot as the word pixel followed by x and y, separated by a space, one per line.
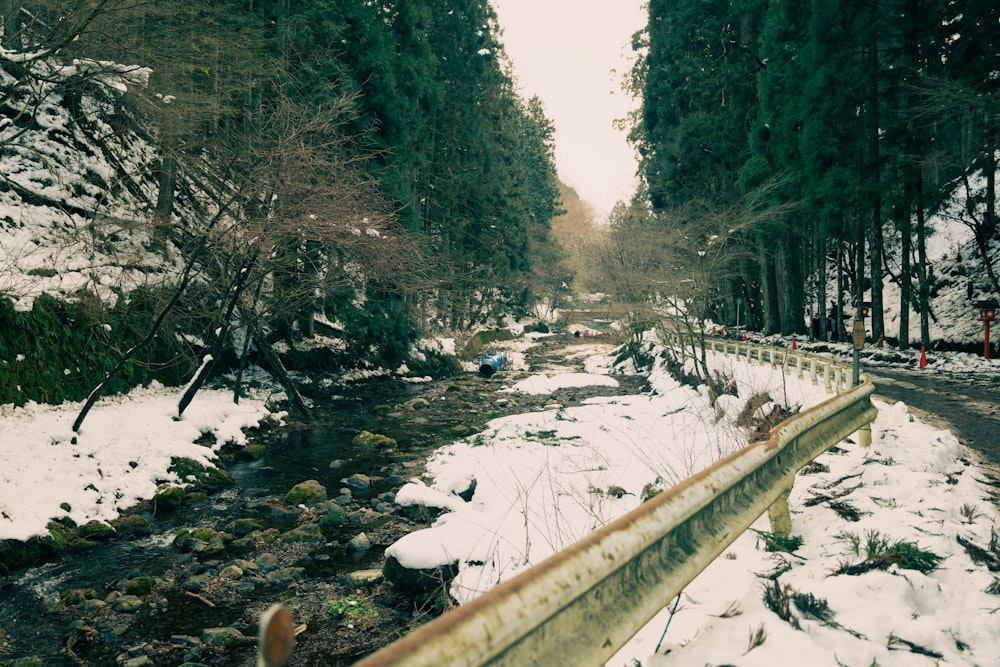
pixel 185 586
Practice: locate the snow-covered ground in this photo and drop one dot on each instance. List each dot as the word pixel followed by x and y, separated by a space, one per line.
pixel 120 456
pixel 545 479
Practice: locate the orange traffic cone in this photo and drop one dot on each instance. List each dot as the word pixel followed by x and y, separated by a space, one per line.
pixel 923 358
pixel 881 340
pixel 744 336
pixel 795 345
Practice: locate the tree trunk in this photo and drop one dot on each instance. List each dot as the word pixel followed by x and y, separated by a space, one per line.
pixel 905 282
pixel 922 278
pixel 859 268
pixel 789 288
pixel 769 288
pixel 838 311
pixel 269 358
pixel 821 290
pixel 222 331
pixel 166 179
pixel 877 249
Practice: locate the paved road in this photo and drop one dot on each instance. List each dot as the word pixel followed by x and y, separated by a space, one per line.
pixel 969 406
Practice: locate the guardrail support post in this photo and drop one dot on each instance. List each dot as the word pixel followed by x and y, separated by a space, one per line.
pixel 812 371
pixel 827 384
pixel 865 433
pixel 780 517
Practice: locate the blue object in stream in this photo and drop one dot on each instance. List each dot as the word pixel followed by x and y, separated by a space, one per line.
pixel 492 363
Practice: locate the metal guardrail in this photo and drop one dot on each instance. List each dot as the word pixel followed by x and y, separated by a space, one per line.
pixel 581 605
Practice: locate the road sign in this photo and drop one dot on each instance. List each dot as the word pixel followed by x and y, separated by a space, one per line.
pixel 859 334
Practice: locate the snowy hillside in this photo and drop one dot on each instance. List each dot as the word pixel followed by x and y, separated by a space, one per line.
pixel 77 194
pixel 957 269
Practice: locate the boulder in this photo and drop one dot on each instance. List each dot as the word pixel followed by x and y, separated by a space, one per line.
pixel 418 581
pixel 308 492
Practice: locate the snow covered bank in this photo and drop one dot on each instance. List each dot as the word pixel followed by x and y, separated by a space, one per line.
pixel 122 453
pixel 545 479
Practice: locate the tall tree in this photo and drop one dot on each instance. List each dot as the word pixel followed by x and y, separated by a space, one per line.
pixel 698 88
pixel 776 165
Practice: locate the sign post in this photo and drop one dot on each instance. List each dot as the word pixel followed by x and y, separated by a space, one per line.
pixel 987 315
pixel 859 343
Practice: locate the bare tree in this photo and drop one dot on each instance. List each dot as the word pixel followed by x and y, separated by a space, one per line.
pixel 683 263
pixel 292 215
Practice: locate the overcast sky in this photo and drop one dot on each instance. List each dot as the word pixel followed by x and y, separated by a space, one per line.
pixel 572 54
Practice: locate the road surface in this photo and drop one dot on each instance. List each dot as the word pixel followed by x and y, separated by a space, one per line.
pixel 966 404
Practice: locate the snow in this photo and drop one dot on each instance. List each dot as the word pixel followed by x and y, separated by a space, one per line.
pixel 120 456
pixel 546 479
pixel 543 384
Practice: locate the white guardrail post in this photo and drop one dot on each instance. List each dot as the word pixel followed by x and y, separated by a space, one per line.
pixel 581 605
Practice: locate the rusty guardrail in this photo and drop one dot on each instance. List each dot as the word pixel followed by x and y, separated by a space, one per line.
pixel 557 612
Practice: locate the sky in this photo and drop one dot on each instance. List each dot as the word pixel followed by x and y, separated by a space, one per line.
pixel 572 54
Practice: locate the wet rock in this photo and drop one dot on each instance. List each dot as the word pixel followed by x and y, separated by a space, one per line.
pixel 370 440
pixel 364 516
pixel 168 497
pixel 308 492
pixel 139 661
pixel 359 542
pixel 418 582
pixel 201 540
pixel 231 573
pixel 284 514
pixel 131 525
pixel 384 508
pixel 267 562
pixel 93 605
pixel 221 636
pixel 246 565
pixel 308 532
pixel 185 640
pixel 138 586
pixel 249 584
pixel 469 491
pixel 198 582
pixel 284 576
pixel 345 498
pixel 127 604
pixel 358 482
pixel 364 577
pixel 337 464
pixel 243 527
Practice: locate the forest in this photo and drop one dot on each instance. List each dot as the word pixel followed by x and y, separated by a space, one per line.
pixel 217 183
pixel 792 153
pixel 368 170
